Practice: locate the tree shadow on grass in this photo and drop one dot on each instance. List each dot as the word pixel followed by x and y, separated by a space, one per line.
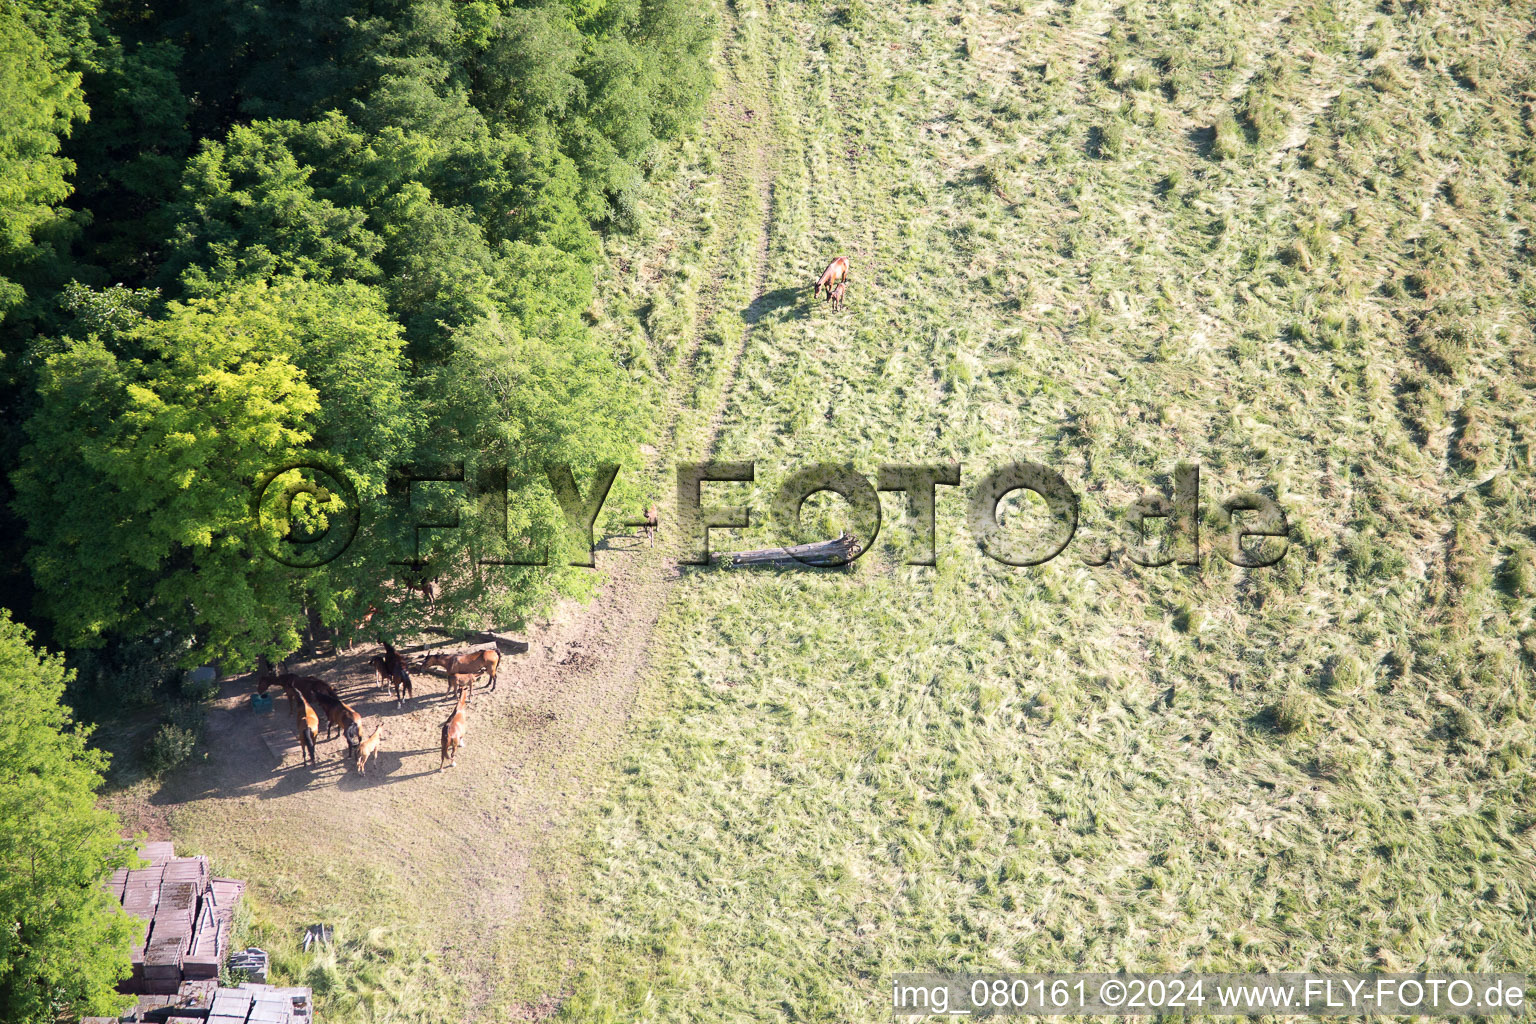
pixel 240 763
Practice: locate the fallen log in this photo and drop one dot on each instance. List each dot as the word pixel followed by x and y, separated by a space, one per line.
pixel 822 554
pixel 504 643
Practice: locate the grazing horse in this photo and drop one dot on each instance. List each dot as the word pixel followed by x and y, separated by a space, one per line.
pixel 429 590
pixel 461 682
pixel 369 747
pixel 342 716
pixel 472 663
pixel 652 519
pixel 836 272
pixel 306 725
pixel 453 733
pixel 309 686
pixel 838 293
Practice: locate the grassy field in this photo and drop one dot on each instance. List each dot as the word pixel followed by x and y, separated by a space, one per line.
pixel 1289 242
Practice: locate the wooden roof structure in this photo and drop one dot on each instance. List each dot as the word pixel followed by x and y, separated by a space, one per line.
pixel 185 916
pixel 204 1002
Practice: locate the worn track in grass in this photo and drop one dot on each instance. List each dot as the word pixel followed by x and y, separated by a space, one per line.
pixel 460 859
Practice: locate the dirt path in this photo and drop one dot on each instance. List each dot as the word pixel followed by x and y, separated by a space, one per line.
pixel 541 743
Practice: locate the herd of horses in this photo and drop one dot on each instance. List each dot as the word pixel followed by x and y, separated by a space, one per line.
pixel 311 698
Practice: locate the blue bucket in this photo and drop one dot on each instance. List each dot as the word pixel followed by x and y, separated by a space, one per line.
pixel 261 703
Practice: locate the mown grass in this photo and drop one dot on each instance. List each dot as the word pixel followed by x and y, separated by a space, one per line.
pixel 1287 242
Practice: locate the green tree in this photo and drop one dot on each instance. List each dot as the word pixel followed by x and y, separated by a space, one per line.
pixel 40 101
pixel 63 940
pixel 249 209
pixel 136 479
pixel 134 143
pixel 375 225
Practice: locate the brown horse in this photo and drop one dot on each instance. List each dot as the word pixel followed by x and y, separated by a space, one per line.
pixel 309 686
pixel 461 682
pixel 380 676
pixel 342 716
pixel 369 747
pixel 838 293
pixel 453 733
pixel 429 590
pixel 306 725
pixel 390 668
pixel 471 663
pixel 652 520
pixel 837 271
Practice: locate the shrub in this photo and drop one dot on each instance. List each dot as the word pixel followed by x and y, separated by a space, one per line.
pixel 1518 576
pixel 174 743
pixel 1445 336
pixel 122 675
pixel 1369 557
pixel 1228 140
pixel 1108 141
pixel 171 747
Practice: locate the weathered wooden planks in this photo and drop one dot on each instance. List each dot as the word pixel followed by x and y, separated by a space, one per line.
pixel 184 917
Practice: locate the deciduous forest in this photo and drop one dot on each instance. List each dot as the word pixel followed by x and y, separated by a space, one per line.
pixel 237 234
pixel 234 236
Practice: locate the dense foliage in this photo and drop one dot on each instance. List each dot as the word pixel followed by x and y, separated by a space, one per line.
pixel 63 942
pixel 241 236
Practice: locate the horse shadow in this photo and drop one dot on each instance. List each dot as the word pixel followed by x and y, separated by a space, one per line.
pixel 637 542
pixel 1204 140
pixel 384 769
pixel 239 763
pixel 295 778
pixel 771 302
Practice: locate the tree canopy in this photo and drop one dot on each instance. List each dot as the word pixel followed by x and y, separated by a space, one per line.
pixel 155 431
pixel 40 103
pixel 240 236
pixel 63 939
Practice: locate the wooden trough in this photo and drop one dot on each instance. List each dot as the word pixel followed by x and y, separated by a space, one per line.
pixel 824 554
